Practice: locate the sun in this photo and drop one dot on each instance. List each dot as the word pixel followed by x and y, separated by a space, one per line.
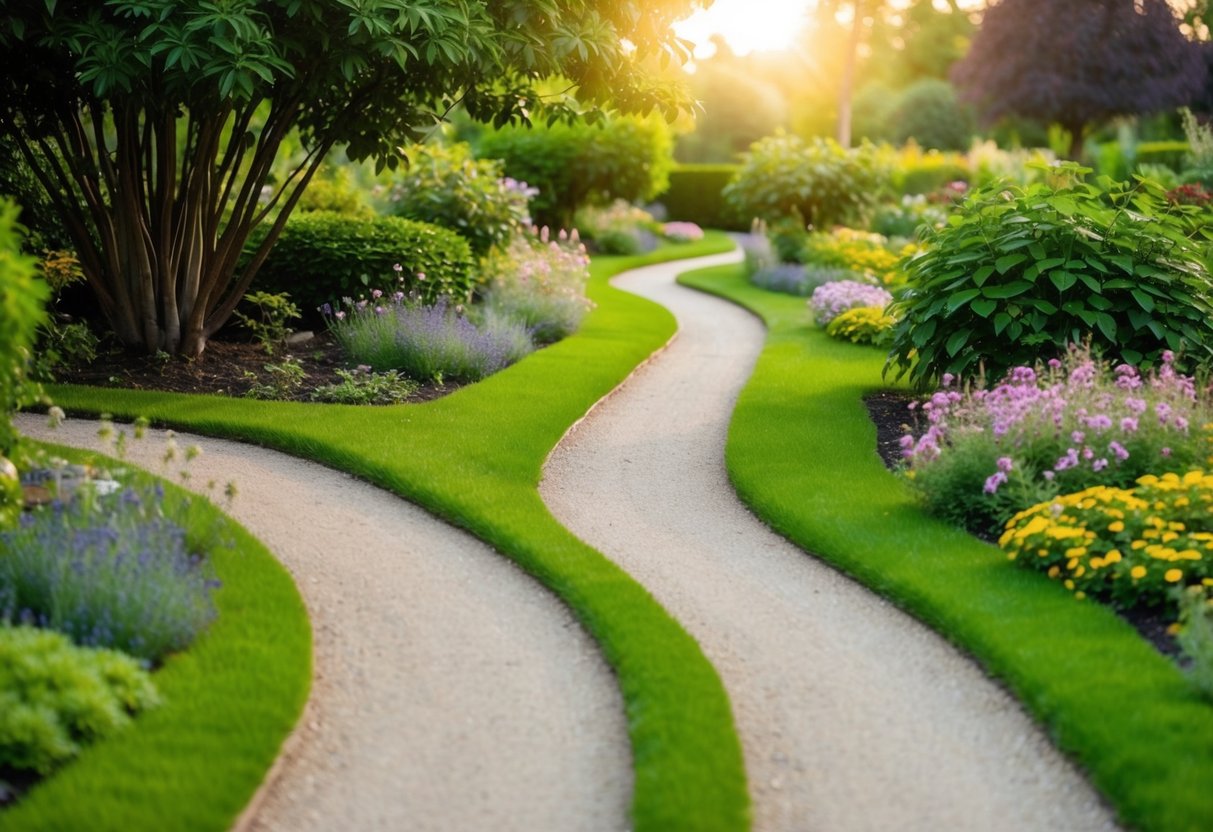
pixel 747 25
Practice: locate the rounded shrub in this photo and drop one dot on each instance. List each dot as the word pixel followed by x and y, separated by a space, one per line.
pixel 573 165
pixel 817 182
pixel 333 190
pixel 1018 273
pixel 444 185
pixel 56 697
pixel 323 256
pixel 863 325
pixel 696 194
pixel 928 112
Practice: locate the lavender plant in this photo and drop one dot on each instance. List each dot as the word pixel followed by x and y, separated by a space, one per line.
pixel 539 281
pixel 1054 429
pixel 426 342
pixel 108 571
pixel 832 299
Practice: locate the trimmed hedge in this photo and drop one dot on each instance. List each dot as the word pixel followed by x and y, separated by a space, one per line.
pixel 696 194
pixel 323 256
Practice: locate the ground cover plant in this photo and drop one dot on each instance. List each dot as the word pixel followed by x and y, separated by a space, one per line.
pixel 801 421
pixel 474 458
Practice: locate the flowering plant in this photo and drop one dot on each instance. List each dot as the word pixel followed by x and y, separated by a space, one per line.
pixel 539 280
pixel 681 232
pixel 831 299
pixel 872 257
pixel 1053 429
pixel 1130 546
pixel 618 228
pixel 863 325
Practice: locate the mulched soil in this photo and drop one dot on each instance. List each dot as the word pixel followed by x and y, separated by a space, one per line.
pixel 890 412
pixel 223 369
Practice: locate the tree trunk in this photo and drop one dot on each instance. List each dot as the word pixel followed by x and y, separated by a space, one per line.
pixel 1076 141
pixel 847 90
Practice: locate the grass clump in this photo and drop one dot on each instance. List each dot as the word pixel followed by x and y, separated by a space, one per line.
pixel 56 697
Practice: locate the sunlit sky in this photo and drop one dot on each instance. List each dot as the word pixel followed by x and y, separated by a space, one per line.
pixel 753 25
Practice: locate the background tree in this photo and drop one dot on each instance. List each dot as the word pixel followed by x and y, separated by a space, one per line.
pixel 1079 62
pixel 154 125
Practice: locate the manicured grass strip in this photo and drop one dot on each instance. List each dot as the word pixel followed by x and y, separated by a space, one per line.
pixel 475 458
pixel 229 702
pixel 801 453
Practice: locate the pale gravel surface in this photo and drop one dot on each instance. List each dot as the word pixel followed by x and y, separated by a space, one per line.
pixel 852 715
pixel 452 692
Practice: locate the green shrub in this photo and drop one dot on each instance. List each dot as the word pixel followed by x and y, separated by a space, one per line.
pixel 333 191
pixel 1132 547
pixel 696 194
pixel 815 183
pixel 445 186
pixel 619 228
pixel 1021 272
pixel 579 164
pixel 863 325
pixel 323 257
pixel 928 112
pixel 361 385
pixel 1171 154
pixel 56 697
pixel 270 323
pixel 22 311
pixel 872 112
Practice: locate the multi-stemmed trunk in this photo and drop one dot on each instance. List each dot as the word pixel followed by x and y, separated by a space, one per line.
pixel 160 207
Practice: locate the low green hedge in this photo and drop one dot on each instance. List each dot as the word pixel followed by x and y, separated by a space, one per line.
pixel 696 195
pixel 323 256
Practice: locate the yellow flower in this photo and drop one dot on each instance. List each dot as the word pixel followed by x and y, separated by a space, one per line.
pixel 1080 595
pixel 1069 584
pixel 1137 572
pixel 1173 576
pixel 1113 556
pixel 1116 527
pixel 1054 571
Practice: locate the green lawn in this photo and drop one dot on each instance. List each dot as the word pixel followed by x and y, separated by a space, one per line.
pixel 229 702
pixel 801 453
pixel 475 458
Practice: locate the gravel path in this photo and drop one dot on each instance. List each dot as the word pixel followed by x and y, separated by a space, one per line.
pixel 852 715
pixel 451 691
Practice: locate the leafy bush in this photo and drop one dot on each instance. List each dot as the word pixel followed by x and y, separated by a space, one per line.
pixel 872 112
pixel 427 342
pixel 281 380
pixel 830 300
pixel 323 255
pixel 56 697
pixel 363 386
pixel 906 217
pixel 863 325
pixel 1060 428
pixel 332 190
pixel 61 341
pixel 540 283
pixel 1169 153
pixel 109 571
pixel 270 324
pixel 579 164
pixel 22 310
pixel 445 186
pixel 1196 635
pixel 696 194
pixel 988 162
pixel 618 228
pixel 928 112
pixel 814 183
pixel 1020 272
pixel 1133 547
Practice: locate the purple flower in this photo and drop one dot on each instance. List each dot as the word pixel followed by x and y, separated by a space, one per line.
pixel 1165 452
pixel 1099 464
pixel 1128 424
pixel 1078 437
pixel 832 299
pixel 1004 464
pixel 1118 451
pixel 993 481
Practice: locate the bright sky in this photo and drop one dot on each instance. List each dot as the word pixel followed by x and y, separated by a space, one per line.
pixel 748 25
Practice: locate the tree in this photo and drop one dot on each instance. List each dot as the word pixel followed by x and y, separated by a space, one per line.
pixel 1078 62
pixel 154 125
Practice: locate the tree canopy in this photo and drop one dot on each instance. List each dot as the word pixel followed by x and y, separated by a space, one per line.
pixel 154 125
pixel 1079 62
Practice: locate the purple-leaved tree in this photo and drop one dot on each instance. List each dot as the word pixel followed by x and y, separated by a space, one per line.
pixel 1079 62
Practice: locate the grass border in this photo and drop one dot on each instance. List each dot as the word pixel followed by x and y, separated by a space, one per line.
pixel 801 453
pixel 475 459
pixel 230 701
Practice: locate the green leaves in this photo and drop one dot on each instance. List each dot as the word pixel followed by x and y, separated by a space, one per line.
pixel 1009 279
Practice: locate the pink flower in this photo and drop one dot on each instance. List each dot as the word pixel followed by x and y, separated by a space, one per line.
pixel 993 481
pixel 1166 452
pixel 1004 464
pixel 1128 424
pixel 1099 464
pixel 1118 450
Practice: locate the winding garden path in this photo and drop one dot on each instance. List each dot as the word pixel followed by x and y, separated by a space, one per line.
pixel 852 715
pixel 451 691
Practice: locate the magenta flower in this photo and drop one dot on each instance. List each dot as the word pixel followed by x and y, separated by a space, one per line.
pixel 993 481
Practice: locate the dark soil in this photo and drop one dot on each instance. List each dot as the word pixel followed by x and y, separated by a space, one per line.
pixel 890 412
pixel 223 369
